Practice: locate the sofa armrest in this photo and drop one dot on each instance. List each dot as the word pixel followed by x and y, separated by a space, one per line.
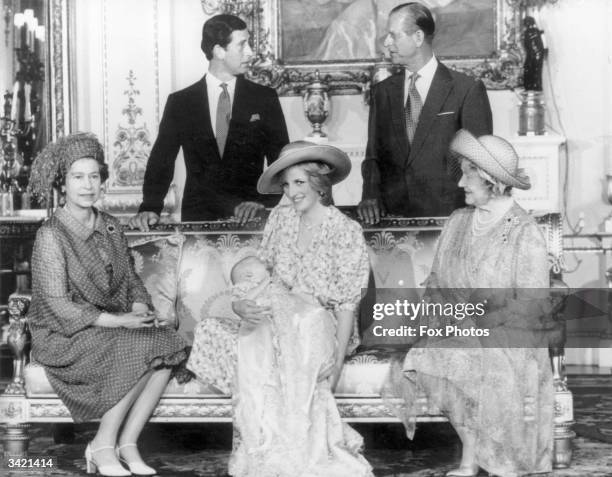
pixel 18 340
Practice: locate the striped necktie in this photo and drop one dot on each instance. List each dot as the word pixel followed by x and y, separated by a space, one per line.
pixel 413 108
pixel 224 113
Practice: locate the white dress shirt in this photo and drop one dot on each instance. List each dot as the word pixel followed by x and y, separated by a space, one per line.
pixel 423 82
pixel 214 90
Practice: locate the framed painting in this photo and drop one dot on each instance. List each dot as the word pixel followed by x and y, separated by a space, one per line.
pixel 343 40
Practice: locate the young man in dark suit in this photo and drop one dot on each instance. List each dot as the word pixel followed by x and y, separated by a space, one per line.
pixel 226 125
pixel 413 118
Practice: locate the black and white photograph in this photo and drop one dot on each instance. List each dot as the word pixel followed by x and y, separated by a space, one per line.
pixel 306 238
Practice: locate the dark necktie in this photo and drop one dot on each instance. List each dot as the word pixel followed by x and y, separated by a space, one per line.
pixel 413 108
pixel 224 113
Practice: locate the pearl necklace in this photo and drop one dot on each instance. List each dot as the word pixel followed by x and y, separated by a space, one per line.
pixel 309 225
pixel 305 224
pixel 314 222
pixel 482 226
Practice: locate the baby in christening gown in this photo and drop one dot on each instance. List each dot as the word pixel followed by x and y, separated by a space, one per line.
pixel 251 280
pixel 221 344
pixel 282 406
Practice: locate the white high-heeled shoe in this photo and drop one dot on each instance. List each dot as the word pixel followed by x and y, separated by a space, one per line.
pixel 138 467
pixel 107 470
pixel 464 472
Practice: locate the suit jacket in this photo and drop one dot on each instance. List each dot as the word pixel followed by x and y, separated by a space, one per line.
pixel 420 180
pixel 215 184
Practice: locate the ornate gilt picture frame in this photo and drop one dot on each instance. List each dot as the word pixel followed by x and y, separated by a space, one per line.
pixel 499 69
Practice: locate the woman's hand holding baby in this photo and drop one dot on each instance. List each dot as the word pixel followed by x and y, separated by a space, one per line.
pixel 249 311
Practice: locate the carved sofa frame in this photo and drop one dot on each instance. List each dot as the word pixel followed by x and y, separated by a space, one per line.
pixel 390 242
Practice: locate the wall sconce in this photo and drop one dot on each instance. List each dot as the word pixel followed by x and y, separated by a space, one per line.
pixel 21 110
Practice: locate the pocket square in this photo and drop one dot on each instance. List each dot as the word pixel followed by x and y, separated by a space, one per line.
pixel 254 117
pixel 446 113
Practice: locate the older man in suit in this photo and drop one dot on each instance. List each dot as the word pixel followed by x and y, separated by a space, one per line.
pixel 227 127
pixel 413 117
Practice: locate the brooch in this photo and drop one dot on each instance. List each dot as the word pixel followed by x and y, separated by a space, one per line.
pixel 511 221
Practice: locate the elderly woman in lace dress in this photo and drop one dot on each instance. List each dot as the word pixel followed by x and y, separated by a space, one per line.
pixel 496 390
pixel 105 351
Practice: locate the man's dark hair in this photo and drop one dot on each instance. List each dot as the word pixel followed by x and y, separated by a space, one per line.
pixel 420 15
pixel 218 31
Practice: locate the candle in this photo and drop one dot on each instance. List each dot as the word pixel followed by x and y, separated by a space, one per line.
pixel 40 33
pixel 23 33
pixel 32 26
pixel 27 115
pixel 15 103
pixel 19 20
pixel 33 30
pixel 29 20
pixel 28 14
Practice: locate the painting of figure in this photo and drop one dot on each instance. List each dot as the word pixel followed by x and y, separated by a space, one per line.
pixel 353 30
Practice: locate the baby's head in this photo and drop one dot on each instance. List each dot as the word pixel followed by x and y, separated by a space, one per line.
pixel 249 269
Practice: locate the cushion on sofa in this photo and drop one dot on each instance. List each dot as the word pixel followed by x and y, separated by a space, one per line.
pixel 400 263
pixel 157 261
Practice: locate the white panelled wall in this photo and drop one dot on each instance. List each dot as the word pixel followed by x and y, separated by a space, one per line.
pixel 159 41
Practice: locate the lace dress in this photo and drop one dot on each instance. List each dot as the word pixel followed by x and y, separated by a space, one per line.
pixel 286 423
pixel 501 388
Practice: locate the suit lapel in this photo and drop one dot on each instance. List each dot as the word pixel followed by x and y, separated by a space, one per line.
pixel 396 107
pixel 438 92
pixel 239 98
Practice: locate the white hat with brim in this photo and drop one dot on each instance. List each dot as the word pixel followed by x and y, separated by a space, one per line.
pixel 492 154
pixel 304 151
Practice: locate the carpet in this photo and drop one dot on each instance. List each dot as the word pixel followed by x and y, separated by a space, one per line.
pixel 202 450
pixel 593 408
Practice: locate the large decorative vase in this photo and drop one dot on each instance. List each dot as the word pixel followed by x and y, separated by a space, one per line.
pixel 531 114
pixel 316 106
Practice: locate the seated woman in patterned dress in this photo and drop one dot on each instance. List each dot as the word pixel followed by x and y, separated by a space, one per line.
pixel 106 353
pixel 286 422
pixel 496 390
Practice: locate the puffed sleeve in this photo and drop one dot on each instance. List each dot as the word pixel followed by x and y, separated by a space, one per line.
pixel 50 288
pixel 267 251
pixel 352 268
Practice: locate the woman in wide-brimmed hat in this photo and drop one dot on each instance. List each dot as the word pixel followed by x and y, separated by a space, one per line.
pixel 496 390
pixel 105 351
pixel 314 250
